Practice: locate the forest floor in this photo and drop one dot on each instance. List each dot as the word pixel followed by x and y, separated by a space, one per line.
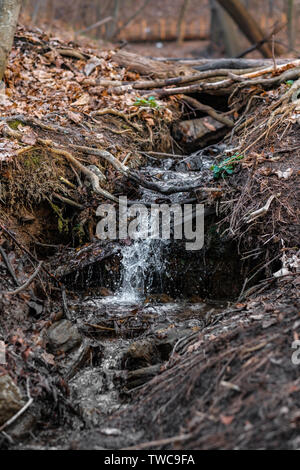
pixel 74 133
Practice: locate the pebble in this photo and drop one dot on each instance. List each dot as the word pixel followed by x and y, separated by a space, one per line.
pixel 10 398
pixel 63 336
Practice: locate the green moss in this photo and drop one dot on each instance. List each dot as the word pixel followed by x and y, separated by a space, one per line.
pixel 33 160
pixel 15 124
pixel 79 232
pixel 62 223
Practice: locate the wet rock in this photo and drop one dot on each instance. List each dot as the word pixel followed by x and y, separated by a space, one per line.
pixel 10 398
pixel 104 292
pixel 162 298
pixel 141 354
pixel 63 336
pixel 23 426
pixel 92 392
pixel 155 349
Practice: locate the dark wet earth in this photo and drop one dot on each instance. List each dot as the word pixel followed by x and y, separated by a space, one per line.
pixel 122 346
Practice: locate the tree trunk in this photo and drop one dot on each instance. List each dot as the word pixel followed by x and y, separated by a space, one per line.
pixel 247 25
pixel 180 22
pixel 112 26
pixel 223 31
pixel 9 13
pixel 291 24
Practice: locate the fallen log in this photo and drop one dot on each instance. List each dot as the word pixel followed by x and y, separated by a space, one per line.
pixel 230 63
pixel 135 378
pixel 149 67
pixel 208 110
pixel 202 130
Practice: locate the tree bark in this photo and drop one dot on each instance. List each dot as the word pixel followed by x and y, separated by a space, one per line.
pixel 223 31
pixel 9 13
pixel 247 24
pixel 180 23
pixel 291 24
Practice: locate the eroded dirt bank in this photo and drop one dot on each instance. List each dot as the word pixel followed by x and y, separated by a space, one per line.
pixel 204 359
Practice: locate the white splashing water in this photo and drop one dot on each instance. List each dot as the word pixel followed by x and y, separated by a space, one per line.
pixel 142 261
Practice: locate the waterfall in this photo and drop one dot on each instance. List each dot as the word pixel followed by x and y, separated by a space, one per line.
pixel 142 263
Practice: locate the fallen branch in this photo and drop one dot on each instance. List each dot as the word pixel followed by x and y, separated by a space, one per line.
pixel 8 265
pixel 260 212
pixel 72 53
pixel 268 82
pixel 95 25
pixel 115 112
pixel 28 282
pixel 209 110
pixel 230 63
pixel 135 177
pixel 223 85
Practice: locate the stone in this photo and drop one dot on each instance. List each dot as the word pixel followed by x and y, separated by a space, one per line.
pixel 104 292
pixel 10 398
pixel 22 427
pixel 63 336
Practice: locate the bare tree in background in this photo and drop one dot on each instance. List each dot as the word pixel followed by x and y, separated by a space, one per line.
pixel 112 26
pixel 9 13
pixel 223 31
pixel 291 23
pixel 132 17
pixel 180 23
pixel 248 25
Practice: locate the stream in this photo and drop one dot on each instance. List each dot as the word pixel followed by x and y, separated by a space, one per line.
pixel 128 332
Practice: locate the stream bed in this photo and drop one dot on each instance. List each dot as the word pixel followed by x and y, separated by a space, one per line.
pixel 138 302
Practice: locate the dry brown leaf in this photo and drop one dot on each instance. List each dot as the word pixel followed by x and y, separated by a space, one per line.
pixel 75 117
pixel 83 100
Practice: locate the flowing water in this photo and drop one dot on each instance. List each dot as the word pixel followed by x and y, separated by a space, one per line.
pixel 132 314
pixel 142 263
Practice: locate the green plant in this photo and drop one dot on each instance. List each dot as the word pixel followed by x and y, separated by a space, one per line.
pixel 226 167
pixel 15 124
pixel 148 102
pixel 62 224
pixel 289 82
pixel 33 160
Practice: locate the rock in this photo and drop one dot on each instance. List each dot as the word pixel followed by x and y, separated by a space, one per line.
pixel 155 349
pixel 161 298
pixel 141 354
pixel 63 336
pixel 10 398
pixel 23 425
pixel 104 292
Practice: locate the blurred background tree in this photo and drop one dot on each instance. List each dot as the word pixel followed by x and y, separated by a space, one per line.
pixel 9 13
pixel 228 26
